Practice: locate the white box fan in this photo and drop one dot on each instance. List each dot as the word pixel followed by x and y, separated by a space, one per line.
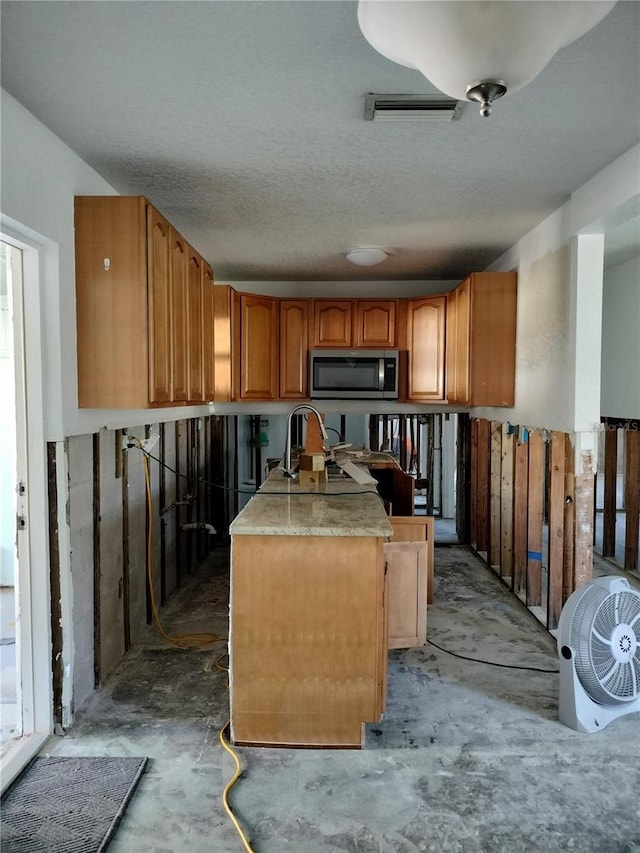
pixel 599 649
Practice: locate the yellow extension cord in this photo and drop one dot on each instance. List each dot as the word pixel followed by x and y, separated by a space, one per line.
pixel 190 641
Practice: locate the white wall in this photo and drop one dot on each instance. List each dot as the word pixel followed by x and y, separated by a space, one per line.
pixel 620 386
pixel 560 300
pixel 40 177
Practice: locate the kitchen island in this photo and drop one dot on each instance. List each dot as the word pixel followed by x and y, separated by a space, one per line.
pixel 307 633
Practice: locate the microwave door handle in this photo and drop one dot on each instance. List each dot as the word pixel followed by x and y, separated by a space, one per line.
pixel 381 374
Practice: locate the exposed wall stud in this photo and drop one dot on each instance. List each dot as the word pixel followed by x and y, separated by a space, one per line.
pixel 506 504
pixel 556 529
pixel 534 520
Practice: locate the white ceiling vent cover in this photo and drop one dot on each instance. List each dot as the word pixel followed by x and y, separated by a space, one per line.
pixel 411 108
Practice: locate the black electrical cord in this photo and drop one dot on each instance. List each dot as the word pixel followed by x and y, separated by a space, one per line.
pixel 255 491
pixel 493 663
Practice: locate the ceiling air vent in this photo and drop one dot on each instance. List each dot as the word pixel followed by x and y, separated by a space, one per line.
pixel 411 108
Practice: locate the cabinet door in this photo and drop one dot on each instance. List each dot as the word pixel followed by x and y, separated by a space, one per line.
pixel 179 304
pixel 160 304
pixel 258 347
pixel 332 323
pixel 196 361
pixel 462 353
pixel 491 341
pixel 451 376
pixel 376 324
pixel 406 593
pixel 294 343
pixel 208 349
pixel 425 335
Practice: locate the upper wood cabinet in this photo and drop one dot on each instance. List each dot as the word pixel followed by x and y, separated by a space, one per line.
pixel 425 343
pixel 294 344
pixel 133 306
pixel 481 340
pixel 160 307
pixel 258 347
pixel 226 341
pixel 195 328
pixel 354 323
pixel 376 323
pixel 179 253
pixel 332 323
pixel 208 326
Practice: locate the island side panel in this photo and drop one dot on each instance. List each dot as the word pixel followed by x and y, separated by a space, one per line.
pixel 308 639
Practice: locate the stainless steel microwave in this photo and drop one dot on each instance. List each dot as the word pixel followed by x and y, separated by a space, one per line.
pixel 338 374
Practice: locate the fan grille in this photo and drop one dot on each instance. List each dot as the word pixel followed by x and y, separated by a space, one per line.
pixel 605 633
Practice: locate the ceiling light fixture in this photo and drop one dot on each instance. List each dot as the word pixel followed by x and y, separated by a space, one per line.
pixel 367 256
pixel 474 50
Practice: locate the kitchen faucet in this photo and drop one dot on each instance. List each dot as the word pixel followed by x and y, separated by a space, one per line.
pixel 287 459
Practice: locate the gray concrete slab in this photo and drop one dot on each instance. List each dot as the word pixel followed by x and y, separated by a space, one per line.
pixel 469 757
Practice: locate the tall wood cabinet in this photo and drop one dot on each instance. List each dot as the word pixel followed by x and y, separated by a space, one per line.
pixel 179 288
pixel 208 330
pixel 481 340
pixel 139 307
pixel 294 345
pixel 258 347
pixel 425 334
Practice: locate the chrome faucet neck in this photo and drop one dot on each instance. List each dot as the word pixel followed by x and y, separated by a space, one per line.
pixel 303 406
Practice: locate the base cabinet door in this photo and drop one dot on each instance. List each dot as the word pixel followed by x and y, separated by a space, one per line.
pixel 406 564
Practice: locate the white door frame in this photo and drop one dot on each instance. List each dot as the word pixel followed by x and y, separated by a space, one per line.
pixel 33 625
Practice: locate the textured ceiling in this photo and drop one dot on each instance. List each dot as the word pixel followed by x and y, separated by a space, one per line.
pixel 243 123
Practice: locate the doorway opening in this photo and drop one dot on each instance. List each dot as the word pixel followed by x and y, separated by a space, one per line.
pixel 25 650
pixel 10 713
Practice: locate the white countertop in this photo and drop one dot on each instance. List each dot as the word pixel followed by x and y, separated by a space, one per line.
pixel 342 507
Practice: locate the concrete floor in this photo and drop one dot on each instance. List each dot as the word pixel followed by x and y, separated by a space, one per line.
pixel 469 757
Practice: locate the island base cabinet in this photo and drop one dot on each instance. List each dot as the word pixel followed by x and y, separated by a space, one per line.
pixel 307 639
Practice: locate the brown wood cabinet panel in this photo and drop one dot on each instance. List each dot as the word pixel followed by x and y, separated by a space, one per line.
pixel 111 301
pixel 208 348
pixel 294 345
pixel 332 322
pixel 258 347
pixel 179 303
pixel 492 339
pixel 226 342
pixel 426 337
pixel 417 528
pixel 458 334
pixel 406 593
pixel 376 323
pixel 481 339
pixel 307 665
pixel 196 348
pixel 132 299
pixel 160 305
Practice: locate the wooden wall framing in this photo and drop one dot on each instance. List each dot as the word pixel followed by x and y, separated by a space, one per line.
pixel 525 500
pixel 194 461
